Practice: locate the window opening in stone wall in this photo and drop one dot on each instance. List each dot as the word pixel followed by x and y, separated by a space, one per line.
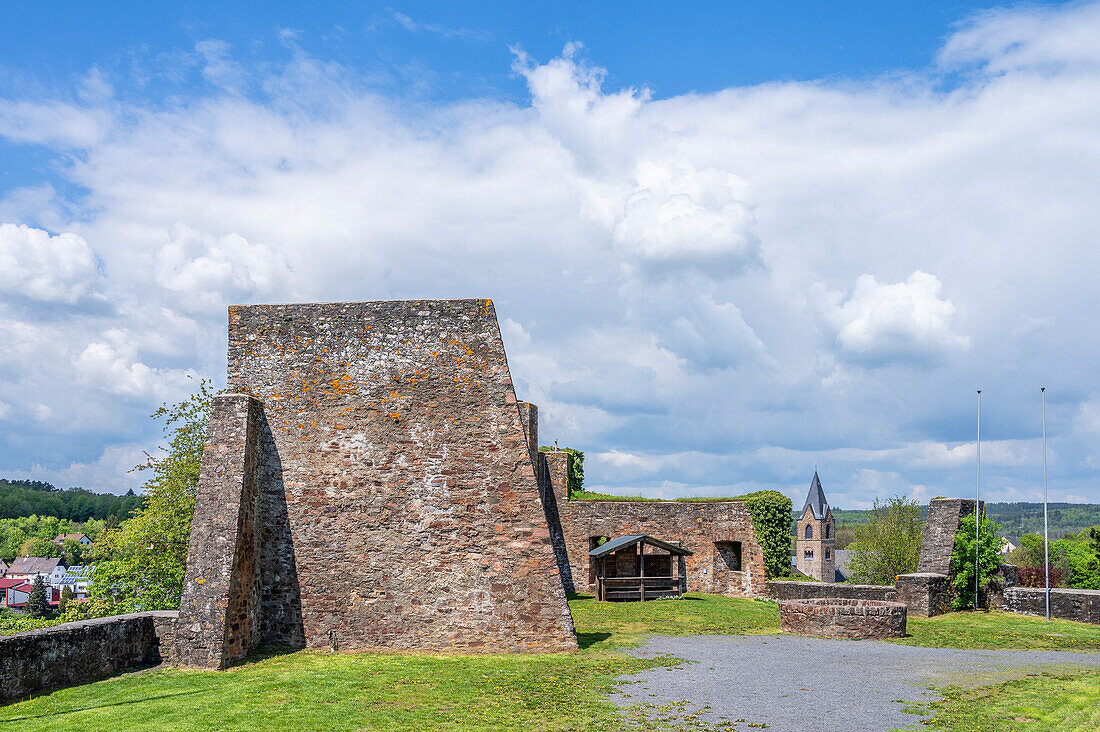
pixel 827 531
pixel 828 554
pixel 809 531
pixel 808 554
pixel 729 555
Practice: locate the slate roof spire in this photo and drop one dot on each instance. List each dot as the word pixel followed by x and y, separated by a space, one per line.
pixel 815 499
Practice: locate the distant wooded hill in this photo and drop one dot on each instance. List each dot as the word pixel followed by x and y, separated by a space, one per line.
pixel 1016 518
pixel 35 498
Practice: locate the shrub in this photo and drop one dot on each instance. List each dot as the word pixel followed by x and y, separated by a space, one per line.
pixel 1036 577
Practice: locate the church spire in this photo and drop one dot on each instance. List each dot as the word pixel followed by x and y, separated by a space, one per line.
pixel 815 499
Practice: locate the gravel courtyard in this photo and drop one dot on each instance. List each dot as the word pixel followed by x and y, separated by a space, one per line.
pixel 798 683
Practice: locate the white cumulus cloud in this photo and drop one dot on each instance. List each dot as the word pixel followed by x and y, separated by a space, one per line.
pixel 51 268
pixel 902 320
pixel 212 272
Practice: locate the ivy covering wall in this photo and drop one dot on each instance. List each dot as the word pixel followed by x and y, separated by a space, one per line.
pixel 770 512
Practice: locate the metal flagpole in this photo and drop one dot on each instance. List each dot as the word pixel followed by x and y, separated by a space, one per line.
pixel 1046 531
pixel 977 492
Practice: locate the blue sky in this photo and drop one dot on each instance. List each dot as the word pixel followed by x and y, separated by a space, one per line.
pixel 726 242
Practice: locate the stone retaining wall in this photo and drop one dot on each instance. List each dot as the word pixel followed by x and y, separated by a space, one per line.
pixel 843 618
pixel 793 590
pixel 74 653
pixel 1080 605
pixel 926 594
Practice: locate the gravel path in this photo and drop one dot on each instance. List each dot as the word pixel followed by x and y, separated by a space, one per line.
pixel 798 683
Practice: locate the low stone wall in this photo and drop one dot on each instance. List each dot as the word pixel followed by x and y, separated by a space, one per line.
pixel 793 590
pixel 843 618
pixel 74 653
pixel 926 594
pixel 1080 605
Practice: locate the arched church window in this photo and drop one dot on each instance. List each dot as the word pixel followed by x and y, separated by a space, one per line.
pixel 809 531
pixel 827 527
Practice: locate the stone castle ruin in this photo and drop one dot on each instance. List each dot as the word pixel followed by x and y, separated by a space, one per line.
pixel 371 482
pixel 369 485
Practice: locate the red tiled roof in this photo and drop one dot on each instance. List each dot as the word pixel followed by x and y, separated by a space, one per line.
pixel 6 582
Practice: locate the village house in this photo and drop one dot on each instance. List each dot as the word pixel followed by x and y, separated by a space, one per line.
pixel 78 578
pixel 5 584
pixel 16 595
pixel 80 538
pixel 27 568
pixel 3 568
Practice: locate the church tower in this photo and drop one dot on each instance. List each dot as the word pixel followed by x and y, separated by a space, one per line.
pixel 815 545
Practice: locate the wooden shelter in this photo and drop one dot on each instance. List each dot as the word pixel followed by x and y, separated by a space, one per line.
pixel 639 567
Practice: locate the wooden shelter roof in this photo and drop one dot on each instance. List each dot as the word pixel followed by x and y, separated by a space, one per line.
pixel 624 541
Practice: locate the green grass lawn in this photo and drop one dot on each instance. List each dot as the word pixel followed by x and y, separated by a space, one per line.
pixel 1038 701
pixel 308 690
pixel 1000 630
pixel 619 623
pixel 321 691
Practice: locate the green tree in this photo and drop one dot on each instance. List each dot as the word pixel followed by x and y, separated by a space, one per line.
pixel 1074 556
pixel 66 596
pixel 140 565
pixel 37 604
pixel 1033 547
pixel 889 544
pixel 962 559
pixel 72 552
pixel 36 547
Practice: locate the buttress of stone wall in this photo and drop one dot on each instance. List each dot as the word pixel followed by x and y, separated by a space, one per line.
pixel 219 609
pixel 553 520
pixel 401 508
pixel 944 516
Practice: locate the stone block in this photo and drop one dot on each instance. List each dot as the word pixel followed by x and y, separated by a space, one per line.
pixel 926 594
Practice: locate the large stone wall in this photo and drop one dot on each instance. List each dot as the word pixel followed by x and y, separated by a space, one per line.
pixel 221 593
pixel 74 653
pixel 1080 605
pixel 791 590
pixel 708 529
pixel 398 504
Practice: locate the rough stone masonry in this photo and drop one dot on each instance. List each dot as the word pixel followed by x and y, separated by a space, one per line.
pixel 369 486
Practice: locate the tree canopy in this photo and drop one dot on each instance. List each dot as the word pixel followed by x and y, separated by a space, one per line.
pixel 140 565
pixel 889 544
